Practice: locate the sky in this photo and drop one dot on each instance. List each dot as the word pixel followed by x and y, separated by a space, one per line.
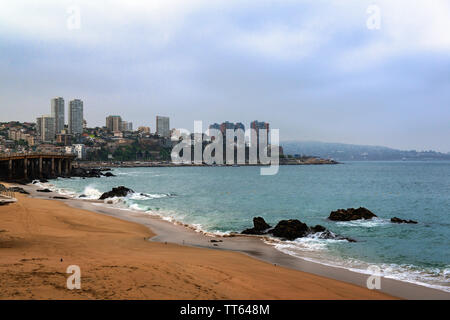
pixel 355 71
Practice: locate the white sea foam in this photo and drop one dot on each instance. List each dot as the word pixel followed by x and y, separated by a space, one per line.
pixel 91 192
pixel 147 196
pixel 138 207
pixel 315 250
pixel 114 200
pixel 62 191
pixel 374 222
pixel 312 243
pixel 43 185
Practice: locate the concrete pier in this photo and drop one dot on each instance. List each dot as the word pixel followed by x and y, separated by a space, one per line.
pixel 28 166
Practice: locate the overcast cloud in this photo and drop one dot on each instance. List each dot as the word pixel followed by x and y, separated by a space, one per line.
pixel 311 68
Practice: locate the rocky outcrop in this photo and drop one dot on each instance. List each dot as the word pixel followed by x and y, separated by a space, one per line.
pixel 327 234
pixel 259 226
pixel 351 214
pixel 318 228
pixel 85 173
pixel 292 229
pixel 18 190
pixel 116 192
pixel 109 174
pixel 90 173
pixel 398 220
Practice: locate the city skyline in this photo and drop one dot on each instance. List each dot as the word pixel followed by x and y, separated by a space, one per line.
pixel 313 70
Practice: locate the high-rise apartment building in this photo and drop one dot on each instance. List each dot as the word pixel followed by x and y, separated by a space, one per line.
pixel 215 126
pixel 224 126
pixel 127 126
pixel 45 127
pixel 239 125
pixel 227 126
pixel 76 116
pixel 257 126
pixel 114 123
pixel 57 110
pixel 162 126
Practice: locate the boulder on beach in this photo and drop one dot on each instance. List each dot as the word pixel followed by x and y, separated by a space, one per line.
pixel 351 214
pixel 44 190
pixel 398 220
pixel 120 191
pixel 259 226
pixel 18 190
pixel 290 229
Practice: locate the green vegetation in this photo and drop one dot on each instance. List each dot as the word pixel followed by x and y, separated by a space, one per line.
pixel 22 142
pixel 135 152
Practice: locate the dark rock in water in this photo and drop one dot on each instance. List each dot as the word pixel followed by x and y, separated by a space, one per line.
pixel 327 234
pixel 116 192
pixel 19 190
pixel 398 220
pixel 260 224
pixel 259 227
pixel 109 174
pixel 351 214
pixel 290 229
pixel 85 173
pixel 91 173
pixel 82 196
pixel 44 190
pixel 318 228
pixel 60 198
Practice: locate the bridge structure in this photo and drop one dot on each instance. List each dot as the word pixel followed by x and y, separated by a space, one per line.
pixel 28 166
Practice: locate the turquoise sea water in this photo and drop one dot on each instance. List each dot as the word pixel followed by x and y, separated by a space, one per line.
pixel 225 199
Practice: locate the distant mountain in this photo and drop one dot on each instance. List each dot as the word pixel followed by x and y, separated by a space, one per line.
pixel 348 152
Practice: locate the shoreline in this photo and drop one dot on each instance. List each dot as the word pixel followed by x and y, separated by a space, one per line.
pixel 142 163
pixel 40 239
pixel 174 232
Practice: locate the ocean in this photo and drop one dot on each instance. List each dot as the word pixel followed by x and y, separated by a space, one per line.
pixel 225 199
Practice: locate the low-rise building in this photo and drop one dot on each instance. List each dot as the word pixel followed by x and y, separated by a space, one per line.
pixel 144 129
pixel 64 139
pixel 80 151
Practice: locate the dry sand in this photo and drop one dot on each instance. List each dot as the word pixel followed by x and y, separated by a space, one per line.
pixel 40 238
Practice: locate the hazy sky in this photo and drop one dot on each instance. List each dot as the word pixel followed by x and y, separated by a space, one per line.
pixel 311 68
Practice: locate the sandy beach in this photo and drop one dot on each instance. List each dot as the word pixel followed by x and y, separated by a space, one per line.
pixel 40 238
